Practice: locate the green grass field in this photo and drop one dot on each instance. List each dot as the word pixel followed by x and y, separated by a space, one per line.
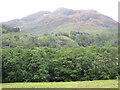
pixel 76 84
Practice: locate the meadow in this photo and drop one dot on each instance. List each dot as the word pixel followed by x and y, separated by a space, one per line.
pixel 76 84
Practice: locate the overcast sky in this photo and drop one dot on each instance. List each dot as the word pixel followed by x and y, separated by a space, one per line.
pixel 12 9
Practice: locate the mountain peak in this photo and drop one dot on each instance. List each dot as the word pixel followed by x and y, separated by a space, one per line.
pixel 64 20
pixel 66 11
pixel 62 8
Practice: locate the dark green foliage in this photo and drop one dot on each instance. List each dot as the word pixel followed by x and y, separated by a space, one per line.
pixel 72 39
pixel 106 38
pixel 7 29
pixel 65 64
pixel 58 57
pixel 17 39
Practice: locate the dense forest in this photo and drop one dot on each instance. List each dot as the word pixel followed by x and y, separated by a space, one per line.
pixel 65 64
pixel 73 56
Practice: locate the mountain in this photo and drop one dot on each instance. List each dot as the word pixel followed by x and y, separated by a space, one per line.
pixel 64 20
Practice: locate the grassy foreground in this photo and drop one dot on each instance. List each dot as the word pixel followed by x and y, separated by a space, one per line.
pixel 77 84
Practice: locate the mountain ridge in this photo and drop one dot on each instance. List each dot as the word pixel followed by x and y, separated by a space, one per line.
pixel 64 20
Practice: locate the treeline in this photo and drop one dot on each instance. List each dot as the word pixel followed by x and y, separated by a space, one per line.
pixel 106 38
pixel 72 39
pixel 7 29
pixel 66 64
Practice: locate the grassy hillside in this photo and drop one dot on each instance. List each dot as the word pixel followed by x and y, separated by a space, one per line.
pixel 12 37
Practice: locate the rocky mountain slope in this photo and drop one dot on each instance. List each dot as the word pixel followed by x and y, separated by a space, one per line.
pixel 64 20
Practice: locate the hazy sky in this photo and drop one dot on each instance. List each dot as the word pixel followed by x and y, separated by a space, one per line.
pixel 11 9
